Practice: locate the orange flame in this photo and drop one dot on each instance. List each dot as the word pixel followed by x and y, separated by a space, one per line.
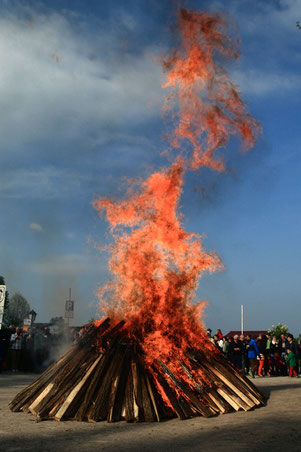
pixel 155 263
pixel 209 106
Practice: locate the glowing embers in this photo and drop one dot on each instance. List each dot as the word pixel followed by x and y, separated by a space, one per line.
pixel 105 377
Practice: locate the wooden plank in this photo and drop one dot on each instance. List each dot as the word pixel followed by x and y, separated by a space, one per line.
pixel 64 383
pixel 129 411
pixel 153 397
pixel 36 401
pixel 93 389
pixel 170 394
pixel 148 411
pixel 222 405
pixel 118 407
pixel 224 393
pixel 245 383
pixel 100 408
pixel 117 390
pixel 76 390
pixel 234 388
pixel 193 399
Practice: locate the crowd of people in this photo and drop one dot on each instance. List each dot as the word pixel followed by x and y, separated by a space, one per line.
pixel 261 355
pixel 34 349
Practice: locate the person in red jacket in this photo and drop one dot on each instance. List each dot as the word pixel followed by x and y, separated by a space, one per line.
pixel 219 334
pixel 291 362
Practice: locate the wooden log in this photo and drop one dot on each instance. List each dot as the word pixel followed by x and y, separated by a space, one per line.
pixel 200 407
pixel 165 411
pixel 75 391
pixel 222 405
pixel 43 394
pixel 37 386
pixel 64 382
pixel 25 397
pixel 118 388
pixel 230 384
pixel 153 396
pixel 170 394
pixel 137 391
pixel 92 391
pixel 234 378
pixel 148 410
pixel 129 411
pixel 100 408
pixel 248 386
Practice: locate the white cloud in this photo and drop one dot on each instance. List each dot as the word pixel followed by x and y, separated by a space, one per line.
pixel 36 227
pixel 53 81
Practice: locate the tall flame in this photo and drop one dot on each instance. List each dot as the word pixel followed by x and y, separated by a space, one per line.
pixel 204 101
pixel 155 263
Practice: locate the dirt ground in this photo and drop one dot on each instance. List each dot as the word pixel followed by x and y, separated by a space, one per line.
pixel 274 427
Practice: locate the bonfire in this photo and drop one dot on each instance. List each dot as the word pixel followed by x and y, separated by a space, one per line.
pixel 150 358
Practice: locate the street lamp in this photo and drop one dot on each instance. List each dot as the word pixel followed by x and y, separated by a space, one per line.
pixel 32 316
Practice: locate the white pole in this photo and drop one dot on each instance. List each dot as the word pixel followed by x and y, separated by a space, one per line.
pixel 242 319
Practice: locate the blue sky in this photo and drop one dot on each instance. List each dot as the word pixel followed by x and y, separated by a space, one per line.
pixel 80 101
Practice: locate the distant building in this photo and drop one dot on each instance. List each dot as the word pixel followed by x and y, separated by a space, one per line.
pixel 246 333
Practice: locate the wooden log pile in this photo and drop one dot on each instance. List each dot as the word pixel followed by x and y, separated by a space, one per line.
pixel 103 377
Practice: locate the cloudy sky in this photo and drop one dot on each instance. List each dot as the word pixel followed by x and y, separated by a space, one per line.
pixel 80 111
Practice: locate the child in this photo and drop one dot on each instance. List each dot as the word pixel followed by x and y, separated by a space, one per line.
pixel 292 362
pixel 280 367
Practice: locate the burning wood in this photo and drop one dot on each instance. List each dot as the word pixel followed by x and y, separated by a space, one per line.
pixel 112 381
pixel 158 363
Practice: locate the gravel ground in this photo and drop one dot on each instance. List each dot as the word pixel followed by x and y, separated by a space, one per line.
pixel 274 427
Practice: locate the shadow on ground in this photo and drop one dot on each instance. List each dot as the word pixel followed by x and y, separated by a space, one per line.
pixel 136 437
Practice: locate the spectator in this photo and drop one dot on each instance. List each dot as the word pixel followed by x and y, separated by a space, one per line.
pixel 253 355
pixel 282 345
pixel 219 334
pixel 274 346
pixel 291 344
pixel 226 347
pixel 268 344
pixel 16 349
pixel 291 362
pixel 219 343
pixel 261 344
pixel 279 365
pixel 235 352
pixel 244 354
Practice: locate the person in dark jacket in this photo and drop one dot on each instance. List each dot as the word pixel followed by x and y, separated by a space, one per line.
pixel 235 352
pixel 274 346
pixel 292 345
pixel 283 345
pixel 254 356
